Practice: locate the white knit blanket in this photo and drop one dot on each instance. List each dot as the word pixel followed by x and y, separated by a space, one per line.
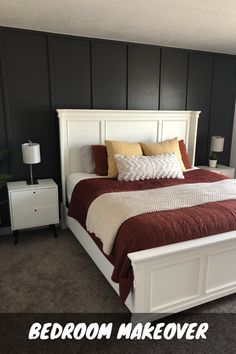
pixel 108 211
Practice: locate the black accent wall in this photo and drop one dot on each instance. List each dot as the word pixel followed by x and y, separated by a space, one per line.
pixel 40 72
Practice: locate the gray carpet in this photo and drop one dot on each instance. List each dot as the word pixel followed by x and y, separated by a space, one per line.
pixel 44 274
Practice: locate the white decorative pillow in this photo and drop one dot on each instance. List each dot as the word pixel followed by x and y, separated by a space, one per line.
pixel 135 168
pixel 88 163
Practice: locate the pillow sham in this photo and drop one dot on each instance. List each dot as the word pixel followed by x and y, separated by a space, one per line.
pixel 101 163
pixel 88 164
pixel 163 147
pixel 100 158
pixel 135 168
pixel 122 148
pixel 184 155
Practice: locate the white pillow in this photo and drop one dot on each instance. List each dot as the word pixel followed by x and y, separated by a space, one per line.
pixel 88 163
pixel 135 168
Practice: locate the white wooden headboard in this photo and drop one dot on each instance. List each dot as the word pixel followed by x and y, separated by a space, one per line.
pixel 82 127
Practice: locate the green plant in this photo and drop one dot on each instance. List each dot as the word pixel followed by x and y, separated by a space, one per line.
pixel 4 178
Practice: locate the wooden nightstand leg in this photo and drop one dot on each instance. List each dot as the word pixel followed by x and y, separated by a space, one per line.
pixel 15 234
pixel 53 227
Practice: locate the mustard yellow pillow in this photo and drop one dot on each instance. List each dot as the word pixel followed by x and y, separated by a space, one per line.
pixel 164 147
pixel 122 148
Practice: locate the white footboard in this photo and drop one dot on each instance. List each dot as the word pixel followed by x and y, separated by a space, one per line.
pixel 179 276
pixel 172 278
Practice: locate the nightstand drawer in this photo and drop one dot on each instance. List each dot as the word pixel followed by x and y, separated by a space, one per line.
pixel 28 216
pixel 34 198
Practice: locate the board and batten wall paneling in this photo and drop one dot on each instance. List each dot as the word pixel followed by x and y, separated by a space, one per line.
pixel 109 78
pixel 143 77
pixel 40 72
pixel 199 98
pixel 173 88
pixel 70 72
pixel 27 96
pixel 223 100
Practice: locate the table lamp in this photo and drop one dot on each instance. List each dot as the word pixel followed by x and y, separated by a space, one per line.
pixel 31 155
pixel 217 145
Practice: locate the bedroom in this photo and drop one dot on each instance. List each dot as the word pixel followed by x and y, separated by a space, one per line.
pixel 148 77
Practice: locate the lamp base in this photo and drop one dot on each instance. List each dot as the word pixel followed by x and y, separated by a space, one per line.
pixel 31 179
pixel 35 181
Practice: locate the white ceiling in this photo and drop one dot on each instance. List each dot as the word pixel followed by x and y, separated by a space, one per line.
pixel 195 24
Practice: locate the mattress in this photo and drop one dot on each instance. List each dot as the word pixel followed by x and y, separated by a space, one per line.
pixel 74 178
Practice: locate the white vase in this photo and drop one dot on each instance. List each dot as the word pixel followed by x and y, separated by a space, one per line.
pixel 212 163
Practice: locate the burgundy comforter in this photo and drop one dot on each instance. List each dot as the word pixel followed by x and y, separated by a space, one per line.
pixel 157 228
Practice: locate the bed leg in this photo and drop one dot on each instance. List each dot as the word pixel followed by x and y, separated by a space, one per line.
pixel 63 217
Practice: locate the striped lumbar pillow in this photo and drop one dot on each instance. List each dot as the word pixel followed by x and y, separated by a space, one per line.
pixel 135 168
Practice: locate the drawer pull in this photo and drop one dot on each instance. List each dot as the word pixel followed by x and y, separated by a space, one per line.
pixel 35 209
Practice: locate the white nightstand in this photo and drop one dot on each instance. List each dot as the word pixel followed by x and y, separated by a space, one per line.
pixel 221 169
pixel 33 205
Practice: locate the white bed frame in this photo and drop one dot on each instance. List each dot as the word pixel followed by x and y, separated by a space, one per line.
pixel 167 279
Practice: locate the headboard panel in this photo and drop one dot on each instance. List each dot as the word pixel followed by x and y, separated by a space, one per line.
pixel 86 127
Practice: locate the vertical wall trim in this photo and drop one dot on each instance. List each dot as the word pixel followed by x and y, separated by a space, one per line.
pixel 211 103
pixel 159 88
pixel 5 97
pixel 187 83
pixel 52 107
pixel 127 76
pixel 50 74
pixel 6 138
pixel 2 87
pixel 232 121
pixel 91 71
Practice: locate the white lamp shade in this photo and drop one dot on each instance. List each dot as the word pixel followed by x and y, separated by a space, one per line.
pixel 217 143
pixel 31 153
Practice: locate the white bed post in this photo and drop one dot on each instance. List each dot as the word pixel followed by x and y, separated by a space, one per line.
pixel 193 135
pixel 64 156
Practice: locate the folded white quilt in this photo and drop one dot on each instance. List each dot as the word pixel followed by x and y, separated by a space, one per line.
pixel 108 211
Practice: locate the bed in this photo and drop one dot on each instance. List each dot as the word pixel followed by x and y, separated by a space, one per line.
pixel 169 278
